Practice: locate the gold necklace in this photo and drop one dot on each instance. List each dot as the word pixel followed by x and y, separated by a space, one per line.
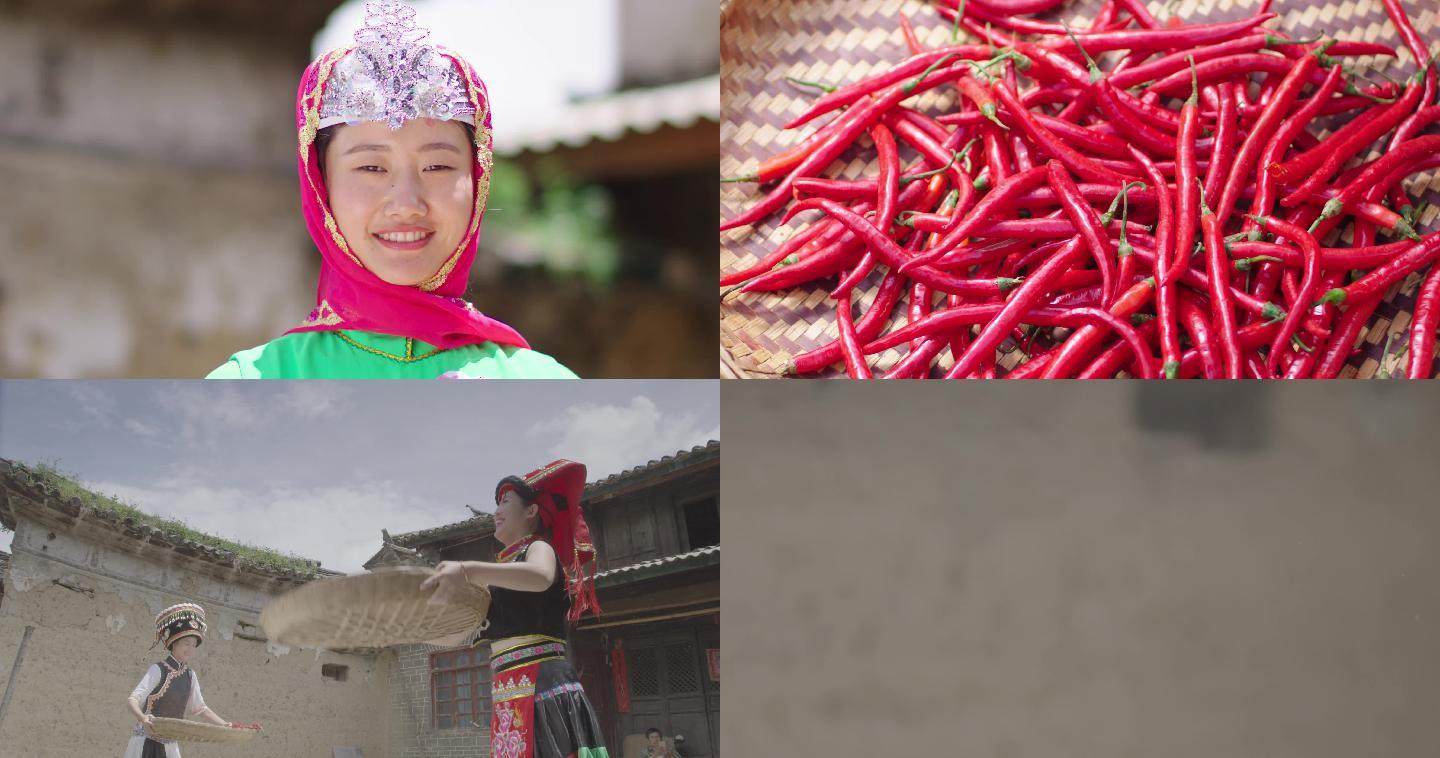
pixel 408 357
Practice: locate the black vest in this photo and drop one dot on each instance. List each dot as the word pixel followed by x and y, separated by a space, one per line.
pixel 513 613
pixel 171 696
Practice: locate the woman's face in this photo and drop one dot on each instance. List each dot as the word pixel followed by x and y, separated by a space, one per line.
pixel 513 518
pixel 184 649
pixel 403 197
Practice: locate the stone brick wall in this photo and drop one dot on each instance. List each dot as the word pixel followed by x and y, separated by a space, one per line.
pixel 412 734
pixel 89 609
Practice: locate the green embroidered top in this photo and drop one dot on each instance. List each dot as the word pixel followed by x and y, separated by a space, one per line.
pixel 370 355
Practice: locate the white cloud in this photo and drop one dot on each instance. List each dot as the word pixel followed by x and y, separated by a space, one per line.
pixel 202 410
pixel 92 400
pixel 315 400
pixel 205 412
pixel 136 426
pixel 338 526
pixel 611 438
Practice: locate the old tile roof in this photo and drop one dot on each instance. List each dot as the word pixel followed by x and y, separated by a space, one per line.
pixel 484 522
pixel 610 117
pixel 703 557
pixel 44 499
pixel 694 457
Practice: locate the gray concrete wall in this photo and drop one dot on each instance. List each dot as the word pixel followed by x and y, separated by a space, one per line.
pixel 1057 570
pixel 91 611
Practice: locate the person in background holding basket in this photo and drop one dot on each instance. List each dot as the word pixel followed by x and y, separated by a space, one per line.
pixel 538 587
pixel 170 688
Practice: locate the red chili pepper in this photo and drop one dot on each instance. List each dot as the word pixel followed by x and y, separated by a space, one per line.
pixel 1162 39
pixel 868 327
pixel 1260 133
pixel 1032 368
pixel 1247 254
pixel 1337 152
pixel 1030 291
pixel 855 365
pixel 1187 185
pixel 1164 251
pixel 1221 70
pixel 1347 47
pixel 1148 137
pixel 911 41
pixel 1000 230
pixel 886 202
pixel 1116 357
pixel 891 254
pixel 1285 134
pixel 1037 228
pixel 864 116
pixel 1087 222
pixel 1013 7
pixel 916 363
pixel 1422 329
pixel 1047 141
pixel 1396 159
pixel 920 306
pixel 1295 169
pixel 1079 347
pixel 1412 39
pixel 788 247
pixel 1250 337
pixel 1342 339
pixel 1193 318
pixel 1178 61
pixel 1226 128
pixel 994 202
pixel 1374 283
pixel 932 149
pixel 1311 251
pixel 834 255
pixel 902 72
pixel 1201 283
pixel 1222 312
pixel 951 319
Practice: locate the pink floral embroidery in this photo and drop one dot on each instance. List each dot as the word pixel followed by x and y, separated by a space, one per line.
pixel 508 738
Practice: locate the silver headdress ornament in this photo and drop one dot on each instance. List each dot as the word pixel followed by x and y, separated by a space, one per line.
pixel 391 77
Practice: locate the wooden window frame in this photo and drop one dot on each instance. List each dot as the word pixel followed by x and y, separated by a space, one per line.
pixel 445 662
pixel 682 519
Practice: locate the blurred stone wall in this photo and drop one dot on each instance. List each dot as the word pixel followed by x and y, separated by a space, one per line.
pixel 148 221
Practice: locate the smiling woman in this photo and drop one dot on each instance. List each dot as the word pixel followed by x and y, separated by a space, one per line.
pixel 395 167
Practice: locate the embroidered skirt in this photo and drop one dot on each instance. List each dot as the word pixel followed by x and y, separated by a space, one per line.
pixel 538 709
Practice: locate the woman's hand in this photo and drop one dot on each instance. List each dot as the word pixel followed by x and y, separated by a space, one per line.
pixel 213 718
pixel 147 719
pixel 448 579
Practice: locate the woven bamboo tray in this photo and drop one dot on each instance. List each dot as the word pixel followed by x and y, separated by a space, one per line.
pixel 371 611
pixel 840 41
pixel 184 730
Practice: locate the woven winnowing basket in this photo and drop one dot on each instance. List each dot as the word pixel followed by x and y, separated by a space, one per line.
pixel 371 611
pixel 184 730
pixel 841 41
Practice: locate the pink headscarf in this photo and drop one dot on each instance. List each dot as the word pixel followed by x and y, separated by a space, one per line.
pixel 352 297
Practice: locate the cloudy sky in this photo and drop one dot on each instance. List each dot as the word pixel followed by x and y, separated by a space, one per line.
pixel 318 468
